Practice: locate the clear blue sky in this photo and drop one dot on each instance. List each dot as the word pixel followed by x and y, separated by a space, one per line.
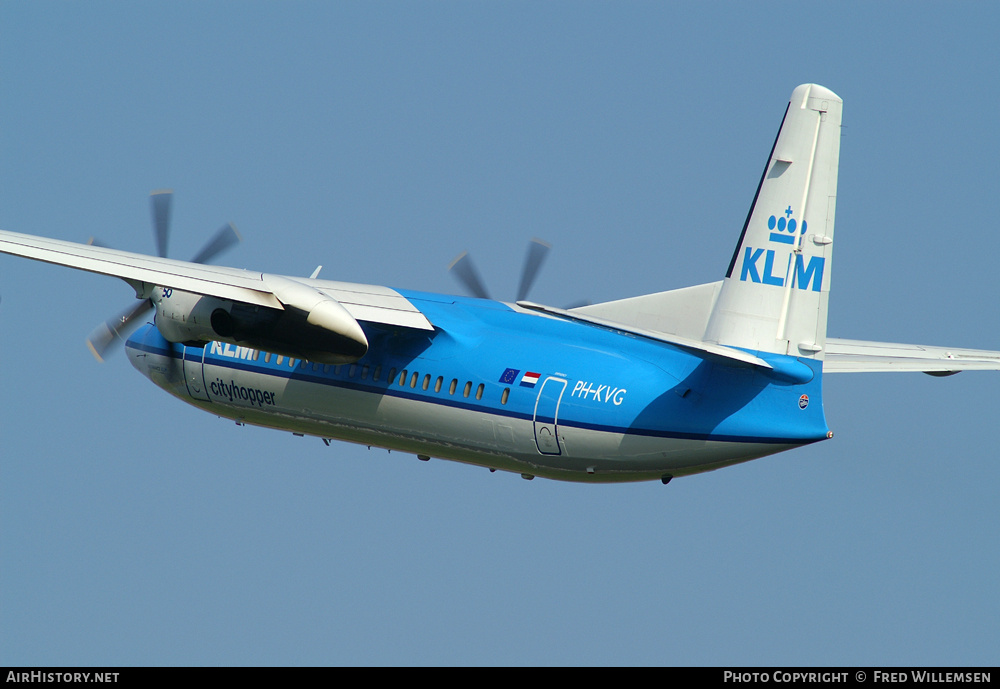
pixel 380 140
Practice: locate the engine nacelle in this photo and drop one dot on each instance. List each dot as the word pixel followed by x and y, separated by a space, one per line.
pixel 186 317
pixel 312 325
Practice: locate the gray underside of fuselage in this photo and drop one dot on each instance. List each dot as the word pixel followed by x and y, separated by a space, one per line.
pixel 448 432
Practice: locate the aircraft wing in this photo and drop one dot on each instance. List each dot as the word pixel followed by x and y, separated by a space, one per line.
pixel 364 302
pixel 859 356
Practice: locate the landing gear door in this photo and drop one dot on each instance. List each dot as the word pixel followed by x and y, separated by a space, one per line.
pixel 547 416
pixel 194 374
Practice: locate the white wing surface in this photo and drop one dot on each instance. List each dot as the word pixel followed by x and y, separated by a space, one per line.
pixel 364 302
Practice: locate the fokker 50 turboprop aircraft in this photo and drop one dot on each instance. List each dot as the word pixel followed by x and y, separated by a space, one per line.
pixel 652 387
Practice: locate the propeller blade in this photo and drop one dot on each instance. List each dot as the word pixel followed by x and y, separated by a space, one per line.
pixel 224 238
pixel 537 251
pixel 105 335
pixel 467 274
pixel 160 201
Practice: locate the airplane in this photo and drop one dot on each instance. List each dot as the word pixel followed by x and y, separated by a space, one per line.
pixel 647 388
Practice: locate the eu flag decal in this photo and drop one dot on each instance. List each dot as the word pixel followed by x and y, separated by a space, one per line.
pixel 509 376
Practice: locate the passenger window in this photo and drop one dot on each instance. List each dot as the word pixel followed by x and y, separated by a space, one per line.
pixel 479 391
pixel 364 372
pixel 402 378
pixel 427 381
pixel 392 375
pixel 413 379
pixel 437 384
pixel 256 355
pixel 267 357
pixel 352 370
pixel 378 372
pixel 504 396
pixel 468 389
pixel 291 363
pixel 453 386
pixel 279 360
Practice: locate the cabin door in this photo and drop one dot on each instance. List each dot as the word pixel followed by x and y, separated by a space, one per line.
pixel 547 416
pixel 194 374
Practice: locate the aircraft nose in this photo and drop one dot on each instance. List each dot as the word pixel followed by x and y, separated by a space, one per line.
pixel 145 345
pixel 135 349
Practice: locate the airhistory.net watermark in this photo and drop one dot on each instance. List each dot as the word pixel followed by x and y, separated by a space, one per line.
pixel 61 677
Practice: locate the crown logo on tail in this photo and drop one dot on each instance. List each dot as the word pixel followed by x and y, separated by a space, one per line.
pixel 783 228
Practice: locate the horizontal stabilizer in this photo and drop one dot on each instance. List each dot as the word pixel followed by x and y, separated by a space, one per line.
pixel 859 356
pixel 705 348
pixel 683 312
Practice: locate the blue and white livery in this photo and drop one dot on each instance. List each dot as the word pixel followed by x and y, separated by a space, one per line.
pixel 652 387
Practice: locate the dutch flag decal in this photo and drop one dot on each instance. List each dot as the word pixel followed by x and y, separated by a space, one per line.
pixel 530 379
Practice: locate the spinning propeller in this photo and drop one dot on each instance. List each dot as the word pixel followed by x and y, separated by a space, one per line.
pixel 116 328
pixel 465 272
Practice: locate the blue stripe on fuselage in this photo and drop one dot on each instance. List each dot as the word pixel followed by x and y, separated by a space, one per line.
pixel 663 391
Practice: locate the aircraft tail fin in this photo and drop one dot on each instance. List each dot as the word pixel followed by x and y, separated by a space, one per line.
pixel 775 294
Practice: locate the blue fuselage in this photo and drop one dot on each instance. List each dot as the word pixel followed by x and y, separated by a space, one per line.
pixel 499 387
